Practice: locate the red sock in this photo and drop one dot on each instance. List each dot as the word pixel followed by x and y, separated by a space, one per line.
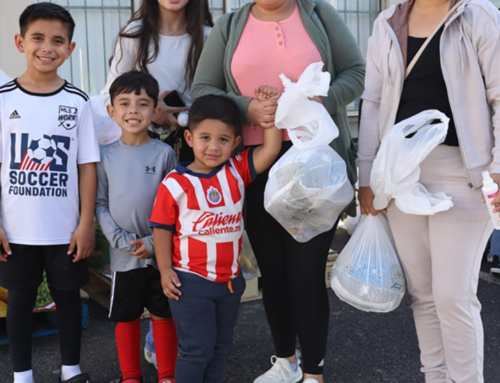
pixel 165 337
pixel 128 341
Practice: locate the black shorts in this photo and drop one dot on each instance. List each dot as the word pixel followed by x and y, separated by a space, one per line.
pixel 24 268
pixel 133 290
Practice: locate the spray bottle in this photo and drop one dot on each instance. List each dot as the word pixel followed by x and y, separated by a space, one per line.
pixel 490 192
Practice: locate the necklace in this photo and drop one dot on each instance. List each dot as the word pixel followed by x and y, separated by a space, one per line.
pixel 175 32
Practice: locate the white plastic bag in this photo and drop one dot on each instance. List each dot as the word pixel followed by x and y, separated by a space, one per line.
pixel 396 169
pixel 367 273
pixel 107 130
pixel 307 190
pixel 307 122
pixel 248 262
pixel 308 187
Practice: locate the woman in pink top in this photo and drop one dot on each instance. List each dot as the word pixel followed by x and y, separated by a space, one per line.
pixel 250 48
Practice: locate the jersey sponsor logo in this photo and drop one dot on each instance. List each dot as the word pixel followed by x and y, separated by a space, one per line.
pixel 150 169
pixel 67 117
pixel 210 223
pixel 39 167
pixel 14 115
pixel 213 195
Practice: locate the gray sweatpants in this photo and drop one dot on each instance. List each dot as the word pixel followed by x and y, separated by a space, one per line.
pixel 441 256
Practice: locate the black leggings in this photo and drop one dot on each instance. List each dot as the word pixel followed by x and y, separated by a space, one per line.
pixel 293 281
pixel 20 325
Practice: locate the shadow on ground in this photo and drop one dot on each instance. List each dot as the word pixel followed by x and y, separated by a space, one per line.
pixel 362 347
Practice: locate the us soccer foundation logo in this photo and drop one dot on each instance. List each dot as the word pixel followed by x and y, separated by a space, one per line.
pixel 67 117
pixel 213 195
pixel 39 167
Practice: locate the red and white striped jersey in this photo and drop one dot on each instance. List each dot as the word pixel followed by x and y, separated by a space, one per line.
pixel 206 213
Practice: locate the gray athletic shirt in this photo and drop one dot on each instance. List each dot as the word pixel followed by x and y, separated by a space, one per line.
pixel 128 179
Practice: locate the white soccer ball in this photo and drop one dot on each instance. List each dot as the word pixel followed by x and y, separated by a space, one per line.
pixel 42 151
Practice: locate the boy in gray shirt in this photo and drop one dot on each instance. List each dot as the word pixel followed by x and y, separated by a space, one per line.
pixel 129 174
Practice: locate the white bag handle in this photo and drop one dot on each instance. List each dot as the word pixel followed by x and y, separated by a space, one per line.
pixel 428 40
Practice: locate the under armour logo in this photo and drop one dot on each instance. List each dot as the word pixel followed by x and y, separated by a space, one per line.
pixel 150 169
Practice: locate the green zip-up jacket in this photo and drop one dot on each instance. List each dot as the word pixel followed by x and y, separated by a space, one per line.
pixel 338 49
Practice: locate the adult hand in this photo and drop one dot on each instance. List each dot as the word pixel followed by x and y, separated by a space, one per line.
pixel 140 249
pixel 170 283
pixel 166 117
pixel 262 113
pixel 4 254
pixel 365 198
pixel 318 99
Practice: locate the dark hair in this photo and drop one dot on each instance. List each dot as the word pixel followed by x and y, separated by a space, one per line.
pixel 213 107
pixel 197 14
pixel 135 81
pixel 46 11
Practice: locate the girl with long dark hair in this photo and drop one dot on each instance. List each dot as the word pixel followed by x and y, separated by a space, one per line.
pixel 163 38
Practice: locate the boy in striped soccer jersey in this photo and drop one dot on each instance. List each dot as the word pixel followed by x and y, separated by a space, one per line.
pixel 48 155
pixel 197 225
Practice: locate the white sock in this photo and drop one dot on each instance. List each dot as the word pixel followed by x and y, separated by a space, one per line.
pixel 68 372
pixel 24 377
pixel 293 366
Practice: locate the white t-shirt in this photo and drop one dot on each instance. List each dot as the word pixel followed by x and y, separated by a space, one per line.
pixel 169 68
pixel 43 137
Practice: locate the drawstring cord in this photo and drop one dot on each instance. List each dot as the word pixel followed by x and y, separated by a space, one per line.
pixel 230 287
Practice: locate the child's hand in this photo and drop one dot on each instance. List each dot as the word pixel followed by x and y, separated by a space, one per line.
pixel 5 244
pixel 83 240
pixel 266 92
pixel 140 249
pixel 170 283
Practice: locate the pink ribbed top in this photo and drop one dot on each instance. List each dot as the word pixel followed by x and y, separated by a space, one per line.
pixel 265 50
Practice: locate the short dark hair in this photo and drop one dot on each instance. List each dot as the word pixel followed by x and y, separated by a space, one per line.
pixel 135 81
pixel 46 11
pixel 213 107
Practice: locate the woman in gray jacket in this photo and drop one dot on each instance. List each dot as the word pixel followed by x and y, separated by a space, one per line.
pixel 249 48
pixel 459 74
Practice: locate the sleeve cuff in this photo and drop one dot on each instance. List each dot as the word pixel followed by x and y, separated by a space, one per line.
pixel 148 243
pixel 365 171
pixel 251 165
pixel 84 161
pixel 161 226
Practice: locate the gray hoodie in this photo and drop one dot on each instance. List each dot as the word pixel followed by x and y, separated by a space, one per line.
pixel 470 61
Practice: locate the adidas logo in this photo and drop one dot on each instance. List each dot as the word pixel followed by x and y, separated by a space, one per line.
pixel 14 115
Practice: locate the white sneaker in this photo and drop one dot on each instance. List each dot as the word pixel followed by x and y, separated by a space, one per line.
pixel 310 380
pixel 281 372
pixel 150 357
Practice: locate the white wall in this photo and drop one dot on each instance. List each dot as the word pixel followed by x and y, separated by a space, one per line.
pixel 11 61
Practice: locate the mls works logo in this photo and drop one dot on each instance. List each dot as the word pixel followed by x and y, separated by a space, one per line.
pixel 67 117
pixel 213 195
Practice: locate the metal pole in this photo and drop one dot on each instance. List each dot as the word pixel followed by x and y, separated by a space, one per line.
pixel 226 6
